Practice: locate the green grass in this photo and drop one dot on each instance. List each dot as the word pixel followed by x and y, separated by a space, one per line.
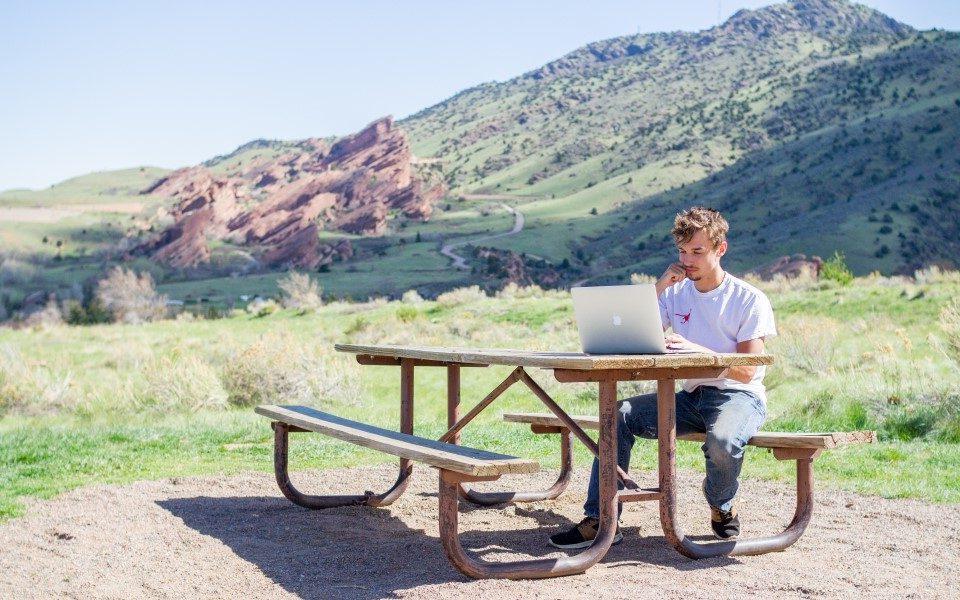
pixel 41 460
pixel 94 188
pixel 81 403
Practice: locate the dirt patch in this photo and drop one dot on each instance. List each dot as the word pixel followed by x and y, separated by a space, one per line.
pixel 130 208
pixel 35 215
pixel 38 214
pixel 237 537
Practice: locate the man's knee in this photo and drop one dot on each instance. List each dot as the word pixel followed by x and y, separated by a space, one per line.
pixel 638 416
pixel 723 449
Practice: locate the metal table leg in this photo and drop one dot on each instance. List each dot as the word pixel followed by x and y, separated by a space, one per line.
pixel 540 568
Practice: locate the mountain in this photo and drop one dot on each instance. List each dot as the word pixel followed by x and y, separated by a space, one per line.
pixel 815 125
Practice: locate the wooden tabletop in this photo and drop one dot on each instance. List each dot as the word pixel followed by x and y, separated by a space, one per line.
pixel 557 360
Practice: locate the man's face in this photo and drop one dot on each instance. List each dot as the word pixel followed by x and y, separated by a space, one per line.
pixel 699 257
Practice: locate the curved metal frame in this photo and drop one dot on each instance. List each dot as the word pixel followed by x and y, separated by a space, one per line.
pixel 280 454
pixel 667 438
pixel 280 451
pixel 563 480
pixel 542 567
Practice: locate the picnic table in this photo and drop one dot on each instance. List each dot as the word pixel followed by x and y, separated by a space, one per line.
pixel 459 466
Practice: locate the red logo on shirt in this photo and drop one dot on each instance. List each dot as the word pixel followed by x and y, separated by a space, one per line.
pixel 684 318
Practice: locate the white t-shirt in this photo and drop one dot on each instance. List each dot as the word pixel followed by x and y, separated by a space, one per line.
pixel 733 312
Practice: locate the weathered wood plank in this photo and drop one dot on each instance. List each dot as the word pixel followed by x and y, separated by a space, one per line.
pixel 557 360
pixel 387 361
pixel 570 375
pixel 468 461
pixel 764 439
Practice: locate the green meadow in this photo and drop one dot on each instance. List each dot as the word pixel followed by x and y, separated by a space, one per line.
pixel 115 403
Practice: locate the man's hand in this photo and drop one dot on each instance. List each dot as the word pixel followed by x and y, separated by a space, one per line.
pixel 674 274
pixel 677 343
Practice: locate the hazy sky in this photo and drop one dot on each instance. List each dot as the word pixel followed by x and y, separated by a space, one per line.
pixel 89 86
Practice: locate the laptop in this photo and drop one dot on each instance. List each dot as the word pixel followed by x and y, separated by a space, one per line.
pixel 619 319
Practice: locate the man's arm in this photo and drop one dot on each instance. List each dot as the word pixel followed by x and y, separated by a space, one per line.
pixel 672 275
pixel 745 373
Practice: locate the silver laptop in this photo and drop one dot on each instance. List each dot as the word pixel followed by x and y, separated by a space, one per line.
pixel 619 319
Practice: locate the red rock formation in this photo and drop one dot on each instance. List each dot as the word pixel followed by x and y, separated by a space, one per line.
pixel 791 266
pixel 350 187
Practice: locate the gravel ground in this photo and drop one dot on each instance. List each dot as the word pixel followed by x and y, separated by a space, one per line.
pixel 238 537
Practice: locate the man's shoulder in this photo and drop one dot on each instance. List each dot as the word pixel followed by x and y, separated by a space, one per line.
pixel 746 292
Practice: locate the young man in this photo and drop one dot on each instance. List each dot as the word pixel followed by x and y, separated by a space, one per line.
pixel 709 310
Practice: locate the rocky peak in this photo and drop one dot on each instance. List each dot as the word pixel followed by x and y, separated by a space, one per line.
pixel 832 19
pixel 825 18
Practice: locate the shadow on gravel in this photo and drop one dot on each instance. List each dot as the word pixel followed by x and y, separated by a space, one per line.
pixel 366 553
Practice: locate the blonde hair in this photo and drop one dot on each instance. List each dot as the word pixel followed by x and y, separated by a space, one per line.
pixel 699 218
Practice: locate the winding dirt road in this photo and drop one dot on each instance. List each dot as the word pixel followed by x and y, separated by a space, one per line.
pixel 460 262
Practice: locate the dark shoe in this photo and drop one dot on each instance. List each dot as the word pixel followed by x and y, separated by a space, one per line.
pixel 581 535
pixel 725 524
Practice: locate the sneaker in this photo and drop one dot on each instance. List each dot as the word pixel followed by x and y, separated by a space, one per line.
pixel 725 524
pixel 581 535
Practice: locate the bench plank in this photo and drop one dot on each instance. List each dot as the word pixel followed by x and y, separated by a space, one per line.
pixel 763 439
pixel 468 461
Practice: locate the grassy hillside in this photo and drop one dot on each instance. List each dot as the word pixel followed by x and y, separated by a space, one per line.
pixel 815 126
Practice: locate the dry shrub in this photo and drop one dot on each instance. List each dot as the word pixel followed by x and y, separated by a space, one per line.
pixel 277 368
pixel 950 326
pixel 30 388
pixel 641 278
pixel 890 380
pixel 806 343
pixel 460 296
pixel 805 280
pixel 876 279
pixel 261 308
pixel 45 318
pixel 377 302
pixel 131 298
pixel 181 381
pixel 411 297
pixel 935 274
pixel 300 292
pixel 512 290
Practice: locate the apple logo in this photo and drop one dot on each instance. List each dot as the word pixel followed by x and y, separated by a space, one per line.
pixel 617 321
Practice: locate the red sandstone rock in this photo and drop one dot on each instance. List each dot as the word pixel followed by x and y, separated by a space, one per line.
pixel 791 266
pixel 351 187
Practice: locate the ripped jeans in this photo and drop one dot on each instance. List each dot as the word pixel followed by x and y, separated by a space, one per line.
pixel 728 417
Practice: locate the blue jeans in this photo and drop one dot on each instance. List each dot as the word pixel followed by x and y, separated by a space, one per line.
pixel 728 417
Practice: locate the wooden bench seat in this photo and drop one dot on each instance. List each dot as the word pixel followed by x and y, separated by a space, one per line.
pixel 763 439
pixel 468 461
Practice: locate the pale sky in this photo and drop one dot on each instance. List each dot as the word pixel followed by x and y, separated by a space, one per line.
pixel 90 86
